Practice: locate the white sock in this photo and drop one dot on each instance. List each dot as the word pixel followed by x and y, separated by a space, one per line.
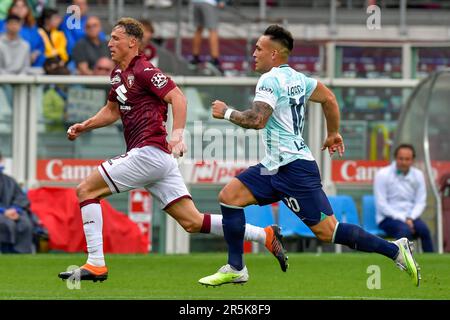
pixel 252 233
pixel 93 224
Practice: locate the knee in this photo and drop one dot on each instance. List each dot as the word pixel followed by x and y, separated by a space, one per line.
pixel 230 197
pixel 227 197
pixel 82 191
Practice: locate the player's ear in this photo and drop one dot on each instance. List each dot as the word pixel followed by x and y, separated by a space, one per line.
pixel 132 43
pixel 274 54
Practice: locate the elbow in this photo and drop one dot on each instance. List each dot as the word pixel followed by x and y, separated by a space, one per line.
pixel 330 99
pixel 259 125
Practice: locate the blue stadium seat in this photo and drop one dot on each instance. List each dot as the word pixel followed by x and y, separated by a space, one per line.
pixel 369 211
pixel 291 224
pixel 259 216
pixel 350 213
pixel 337 206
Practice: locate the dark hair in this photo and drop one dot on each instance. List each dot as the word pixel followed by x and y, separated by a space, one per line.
pixel 405 146
pixel 55 66
pixel 46 14
pixel 12 17
pixel 280 35
pixel 132 27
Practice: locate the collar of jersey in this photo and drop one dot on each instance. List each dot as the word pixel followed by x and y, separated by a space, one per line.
pixel 283 65
pixel 133 61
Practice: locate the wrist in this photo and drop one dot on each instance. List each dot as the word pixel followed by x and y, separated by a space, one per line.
pixel 228 113
pixel 177 135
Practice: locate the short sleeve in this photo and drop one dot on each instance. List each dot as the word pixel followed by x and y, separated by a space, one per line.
pixel 267 90
pixel 157 82
pixel 311 85
pixel 112 96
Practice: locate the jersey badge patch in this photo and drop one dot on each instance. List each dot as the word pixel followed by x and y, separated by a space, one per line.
pixel 159 80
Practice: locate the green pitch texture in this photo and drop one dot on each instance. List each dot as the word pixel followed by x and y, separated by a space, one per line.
pixel 172 277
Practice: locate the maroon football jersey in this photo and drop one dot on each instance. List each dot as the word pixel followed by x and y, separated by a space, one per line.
pixel 149 51
pixel 139 90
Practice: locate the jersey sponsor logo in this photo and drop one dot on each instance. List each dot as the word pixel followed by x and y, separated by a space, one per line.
pixel 130 80
pixel 294 91
pixel 115 79
pixel 121 90
pixel 159 80
pixel 125 108
pixel 266 89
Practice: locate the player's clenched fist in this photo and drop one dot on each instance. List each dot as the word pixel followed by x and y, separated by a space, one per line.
pixel 74 131
pixel 177 147
pixel 218 109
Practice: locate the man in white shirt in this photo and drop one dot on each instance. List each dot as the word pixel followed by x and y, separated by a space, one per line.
pixel 400 197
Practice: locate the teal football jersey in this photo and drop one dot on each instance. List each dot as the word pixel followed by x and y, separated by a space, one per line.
pixel 287 92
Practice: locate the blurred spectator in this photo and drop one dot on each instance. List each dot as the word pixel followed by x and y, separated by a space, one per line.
pixel 158 3
pixel 54 40
pixel 400 198
pixel 55 97
pixel 103 67
pixel 16 223
pixel 206 16
pixel 74 34
pixel 147 46
pixel 29 31
pixel 14 51
pixel 91 48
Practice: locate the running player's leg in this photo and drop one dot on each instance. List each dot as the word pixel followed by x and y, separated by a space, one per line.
pixel 355 237
pixel 177 202
pixel 249 187
pixel 187 215
pixel 89 193
pixel 315 211
pixel 118 174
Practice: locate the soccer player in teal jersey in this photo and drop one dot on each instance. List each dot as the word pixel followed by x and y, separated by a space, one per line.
pixel 289 172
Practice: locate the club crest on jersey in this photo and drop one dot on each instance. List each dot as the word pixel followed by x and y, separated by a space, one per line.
pixel 159 80
pixel 115 79
pixel 130 80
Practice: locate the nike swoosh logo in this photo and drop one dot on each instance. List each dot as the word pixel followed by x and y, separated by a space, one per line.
pixel 148 69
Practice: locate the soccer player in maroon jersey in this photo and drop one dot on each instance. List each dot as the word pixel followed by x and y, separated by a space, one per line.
pixel 139 95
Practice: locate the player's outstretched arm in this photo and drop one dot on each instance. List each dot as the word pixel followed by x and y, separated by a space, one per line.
pixel 176 98
pixel 325 96
pixel 254 118
pixel 107 115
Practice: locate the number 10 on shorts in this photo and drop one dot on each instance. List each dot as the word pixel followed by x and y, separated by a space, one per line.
pixel 292 203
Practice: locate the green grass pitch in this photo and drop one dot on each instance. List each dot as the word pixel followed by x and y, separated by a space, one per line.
pixel 173 277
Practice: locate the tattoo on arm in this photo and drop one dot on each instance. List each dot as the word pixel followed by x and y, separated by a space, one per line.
pixel 254 118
